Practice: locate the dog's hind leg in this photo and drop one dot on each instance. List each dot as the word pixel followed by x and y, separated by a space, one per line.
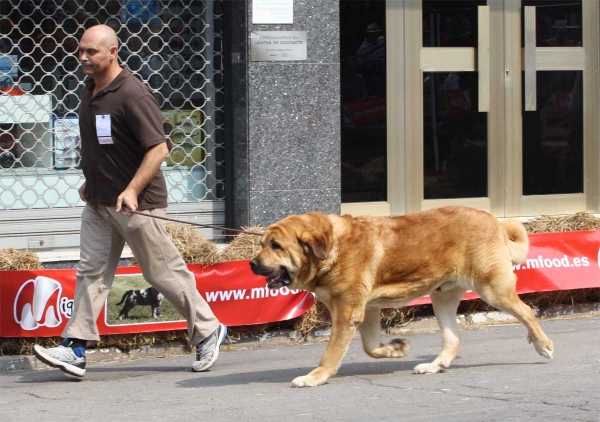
pixel 500 292
pixel 370 330
pixel 445 303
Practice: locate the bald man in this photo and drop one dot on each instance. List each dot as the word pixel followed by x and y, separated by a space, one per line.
pixel 122 147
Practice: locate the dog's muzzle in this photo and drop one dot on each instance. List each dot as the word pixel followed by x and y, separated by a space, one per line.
pixel 275 279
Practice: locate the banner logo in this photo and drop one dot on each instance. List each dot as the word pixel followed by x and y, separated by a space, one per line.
pixel 38 304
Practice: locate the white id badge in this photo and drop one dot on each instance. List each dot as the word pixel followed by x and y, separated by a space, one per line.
pixel 103 129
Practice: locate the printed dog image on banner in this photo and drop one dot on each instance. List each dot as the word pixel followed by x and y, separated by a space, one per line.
pixel 132 300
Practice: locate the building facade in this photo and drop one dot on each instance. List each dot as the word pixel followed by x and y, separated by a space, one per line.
pixel 397 106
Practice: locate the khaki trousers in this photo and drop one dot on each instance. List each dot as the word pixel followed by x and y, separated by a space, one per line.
pixel 103 235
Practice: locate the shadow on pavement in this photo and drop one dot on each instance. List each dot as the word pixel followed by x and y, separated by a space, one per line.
pixel 216 378
pixel 286 375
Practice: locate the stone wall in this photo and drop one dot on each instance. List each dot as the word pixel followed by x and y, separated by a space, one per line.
pixel 287 153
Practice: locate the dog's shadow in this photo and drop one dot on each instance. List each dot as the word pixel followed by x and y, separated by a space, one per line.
pixel 286 375
pixel 357 369
pixel 272 376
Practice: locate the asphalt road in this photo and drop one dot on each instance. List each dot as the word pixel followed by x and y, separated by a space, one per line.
pixel 497 377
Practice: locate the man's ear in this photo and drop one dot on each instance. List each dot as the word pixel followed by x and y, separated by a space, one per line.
pixel 114 51
pixel 316 242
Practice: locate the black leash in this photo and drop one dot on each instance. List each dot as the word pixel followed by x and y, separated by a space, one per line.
pixel 208 226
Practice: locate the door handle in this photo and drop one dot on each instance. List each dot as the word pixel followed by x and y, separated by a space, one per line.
pixel 530 58
pixel 483 57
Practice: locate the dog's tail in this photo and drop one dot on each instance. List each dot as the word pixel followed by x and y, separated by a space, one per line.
pixel 516 240
pixel 123 298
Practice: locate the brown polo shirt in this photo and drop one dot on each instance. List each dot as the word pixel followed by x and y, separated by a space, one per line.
pixel 129 120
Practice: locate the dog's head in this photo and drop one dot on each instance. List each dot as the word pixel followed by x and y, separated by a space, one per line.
pixel 293 250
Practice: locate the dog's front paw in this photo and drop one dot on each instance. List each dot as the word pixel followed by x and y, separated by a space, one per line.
pixel 316 377
pixel 305 381
pixel 545 349
pixel 427 368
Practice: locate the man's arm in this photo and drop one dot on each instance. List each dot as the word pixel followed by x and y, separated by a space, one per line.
pixel 82 192
pixel 151 163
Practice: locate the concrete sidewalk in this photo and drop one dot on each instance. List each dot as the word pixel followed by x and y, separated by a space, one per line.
pixel 292 338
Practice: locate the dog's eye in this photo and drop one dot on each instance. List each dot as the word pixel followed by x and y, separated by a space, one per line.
pixel 275 245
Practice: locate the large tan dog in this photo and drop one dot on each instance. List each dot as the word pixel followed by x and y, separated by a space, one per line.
pixel 358 265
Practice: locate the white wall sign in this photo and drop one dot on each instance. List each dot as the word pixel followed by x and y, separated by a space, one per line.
pixel 277 46
pixel 67 142
pixel 272 11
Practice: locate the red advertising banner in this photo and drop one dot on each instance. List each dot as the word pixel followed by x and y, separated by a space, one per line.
pixel 38 303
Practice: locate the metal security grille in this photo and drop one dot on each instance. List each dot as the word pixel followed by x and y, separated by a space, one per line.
pixel 174 46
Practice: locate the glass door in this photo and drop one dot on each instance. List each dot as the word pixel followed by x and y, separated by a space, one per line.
pixel 363 105
pixel 552 106
pixel 500 99
pixel 453 76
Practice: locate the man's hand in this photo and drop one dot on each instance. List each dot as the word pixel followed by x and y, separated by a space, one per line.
pixel 154 157
pixel 82 192
pixel 127 202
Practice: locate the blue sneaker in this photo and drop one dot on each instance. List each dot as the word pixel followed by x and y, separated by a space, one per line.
pixel 63 357
pixel 207 351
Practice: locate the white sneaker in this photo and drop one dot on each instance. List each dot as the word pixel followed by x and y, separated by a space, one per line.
pixel 207 351
pixel 62 357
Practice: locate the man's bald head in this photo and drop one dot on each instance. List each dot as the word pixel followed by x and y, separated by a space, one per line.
pixel 98 53
pixel 103 35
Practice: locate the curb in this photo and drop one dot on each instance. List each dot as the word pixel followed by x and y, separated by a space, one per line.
pixel 10 364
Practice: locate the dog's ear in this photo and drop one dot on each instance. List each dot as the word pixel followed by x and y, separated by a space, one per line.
pixel 316 242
